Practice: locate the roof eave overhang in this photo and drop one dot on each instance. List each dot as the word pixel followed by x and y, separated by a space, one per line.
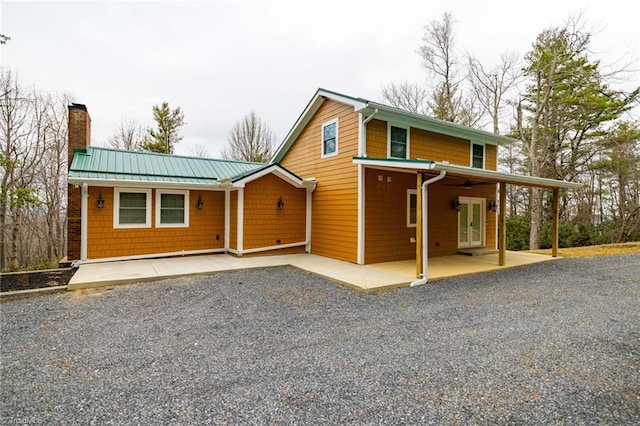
pixel 419 121
pixel 468 172
pixel 147 183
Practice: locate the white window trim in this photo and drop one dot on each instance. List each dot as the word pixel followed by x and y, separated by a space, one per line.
pixel 484 154
pixel 409 193
pixel 408 129
pixel 116 208
pixel 328 123
pixel 159 193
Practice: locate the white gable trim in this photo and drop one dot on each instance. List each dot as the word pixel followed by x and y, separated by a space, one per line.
pixel 275 169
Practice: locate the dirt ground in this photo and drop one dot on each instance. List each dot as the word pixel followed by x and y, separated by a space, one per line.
pixel 35 279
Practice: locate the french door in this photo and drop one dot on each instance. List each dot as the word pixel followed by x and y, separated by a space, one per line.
pixel 471 221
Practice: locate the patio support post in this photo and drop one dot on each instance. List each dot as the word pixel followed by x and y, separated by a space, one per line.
pixel 554 244
pixel 502 225
pixel 419 225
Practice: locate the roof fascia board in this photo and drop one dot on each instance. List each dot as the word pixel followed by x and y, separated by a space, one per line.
pixel 506 177
pixel 463 171
pixel 394 115
pixel 311 108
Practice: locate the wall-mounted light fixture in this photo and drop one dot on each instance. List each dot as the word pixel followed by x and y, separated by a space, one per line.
pixel 280 204
pixel 492 206
pixel 100 201
pixel 455 204
pixel 200 203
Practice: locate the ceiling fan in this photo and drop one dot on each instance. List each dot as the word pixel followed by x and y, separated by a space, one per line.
pixel 468 184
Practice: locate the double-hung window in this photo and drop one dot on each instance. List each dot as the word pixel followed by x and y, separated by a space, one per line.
pixel 477 156
pixel 398 142
pixel 132 208
pixel 172 208
pixel 330 138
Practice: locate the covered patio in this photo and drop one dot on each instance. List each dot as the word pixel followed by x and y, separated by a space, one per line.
pixel 431 172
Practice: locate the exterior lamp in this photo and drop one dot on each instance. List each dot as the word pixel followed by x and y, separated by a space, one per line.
pixel 280 204
pixel 455 205
pixel 100 201
pixel 492 206
pixel 200 203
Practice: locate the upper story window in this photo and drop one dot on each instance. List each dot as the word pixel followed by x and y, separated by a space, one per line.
pixel 132 208
pixel 477 156
pixel 172 208
pixel 330 138
pixel 398 142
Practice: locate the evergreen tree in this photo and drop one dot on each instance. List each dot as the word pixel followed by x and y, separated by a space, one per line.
pixel 568 102
pixel 165 136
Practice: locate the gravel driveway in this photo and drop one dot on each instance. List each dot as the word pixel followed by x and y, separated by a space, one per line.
pixel 550 343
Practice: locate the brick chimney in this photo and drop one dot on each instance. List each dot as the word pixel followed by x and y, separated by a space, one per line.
pixel 79 137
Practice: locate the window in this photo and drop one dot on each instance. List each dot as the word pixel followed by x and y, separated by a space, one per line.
pixel 330 138
pixel 398 142
pixel 477 156
pixel 412 208
pixel 172 208
pixel 132 208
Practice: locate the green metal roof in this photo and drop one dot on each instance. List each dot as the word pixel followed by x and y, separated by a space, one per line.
pixel 97 163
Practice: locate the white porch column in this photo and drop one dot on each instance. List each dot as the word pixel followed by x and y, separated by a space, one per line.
pixel 84 221
pixel 240 224
pixel 227 219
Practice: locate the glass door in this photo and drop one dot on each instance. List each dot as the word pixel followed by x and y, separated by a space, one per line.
pixel 471 222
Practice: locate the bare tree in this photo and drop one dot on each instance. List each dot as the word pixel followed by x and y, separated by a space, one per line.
pixel 199 151
pixel 441 62
pixel 490 86
pixel 129 135
pixel 33 155
pixel 408 96
pixel 250 139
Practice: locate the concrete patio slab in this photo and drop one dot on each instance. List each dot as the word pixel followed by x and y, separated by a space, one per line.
pixel 362 277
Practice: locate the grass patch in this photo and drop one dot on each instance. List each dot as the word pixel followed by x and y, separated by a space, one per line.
pixel 591 251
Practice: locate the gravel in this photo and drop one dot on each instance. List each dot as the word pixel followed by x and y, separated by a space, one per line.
pixel 550 343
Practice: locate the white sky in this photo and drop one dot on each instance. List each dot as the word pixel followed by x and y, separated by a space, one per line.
pixel 219 60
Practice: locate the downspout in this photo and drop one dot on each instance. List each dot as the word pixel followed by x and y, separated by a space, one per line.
pixel 425 233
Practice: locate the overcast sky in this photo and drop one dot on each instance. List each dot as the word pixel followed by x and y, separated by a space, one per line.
pixel 219 60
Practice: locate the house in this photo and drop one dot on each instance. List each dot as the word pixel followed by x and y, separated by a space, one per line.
pixel 353 179
pixel 129 204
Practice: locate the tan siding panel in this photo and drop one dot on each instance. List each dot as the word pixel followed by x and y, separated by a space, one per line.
pixel 335 214
pixel 205 230
pixel 264 224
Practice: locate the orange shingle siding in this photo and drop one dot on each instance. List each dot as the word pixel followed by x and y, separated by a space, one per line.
pixel 443 220
pixel 427 145
pixel 104 241
pixel 387 236
pixel 264 224
pixel 491 157
pixel 335 200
